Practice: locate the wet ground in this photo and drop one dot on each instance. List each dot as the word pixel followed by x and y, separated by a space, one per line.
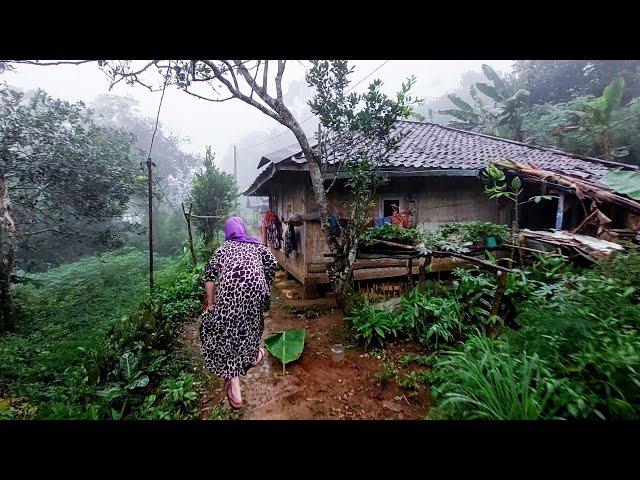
pixel 313 387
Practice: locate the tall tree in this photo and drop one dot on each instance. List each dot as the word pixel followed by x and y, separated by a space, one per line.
pixel 173 172
pixel 213 193
pixel 360 137
pixel 599 113
pixel 61 176
pixel 175 167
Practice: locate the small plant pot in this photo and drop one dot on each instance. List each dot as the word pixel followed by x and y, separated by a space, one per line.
pixel 492 242
pixel 337 354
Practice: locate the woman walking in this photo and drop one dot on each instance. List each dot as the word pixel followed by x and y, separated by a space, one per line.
pixel 233 321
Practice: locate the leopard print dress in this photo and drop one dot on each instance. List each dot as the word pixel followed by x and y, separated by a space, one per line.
pixel 231 330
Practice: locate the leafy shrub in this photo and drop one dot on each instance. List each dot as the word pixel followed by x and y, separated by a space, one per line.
pixel 576 343
pixel 388 232
pixel 476 232
pixel 434 316
pixel 590 334
pixel 82 356
pixel 487 381
pixel 371 324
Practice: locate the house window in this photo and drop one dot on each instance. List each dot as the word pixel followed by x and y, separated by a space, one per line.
pixel 387 203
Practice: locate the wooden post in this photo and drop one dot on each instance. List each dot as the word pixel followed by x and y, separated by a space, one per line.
pixel 423 271
pixel 187 216
pixel 560 212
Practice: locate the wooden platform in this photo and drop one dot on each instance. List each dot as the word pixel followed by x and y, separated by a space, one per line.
pixel 372 267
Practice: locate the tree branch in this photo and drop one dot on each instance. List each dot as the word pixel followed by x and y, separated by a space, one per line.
pixel 255 76
pixel 242 96
pixel 124 75
pixel 218 100
pixel 42 231
pixel 233 75
pixel 281 65
pixel 265 76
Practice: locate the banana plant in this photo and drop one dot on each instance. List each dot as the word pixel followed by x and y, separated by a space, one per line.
pixel 598 114
pixel 499 119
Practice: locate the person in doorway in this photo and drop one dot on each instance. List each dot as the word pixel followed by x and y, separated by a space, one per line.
pixel 233 320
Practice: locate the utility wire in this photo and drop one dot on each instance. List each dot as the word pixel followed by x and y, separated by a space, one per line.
pixel 311 116
pixel 153 136
pixel 610 126
pixel 157 181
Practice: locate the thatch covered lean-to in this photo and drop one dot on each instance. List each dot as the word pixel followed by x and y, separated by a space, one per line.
pixel 435 175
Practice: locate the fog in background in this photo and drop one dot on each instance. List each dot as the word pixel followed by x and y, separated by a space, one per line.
pixel 199 123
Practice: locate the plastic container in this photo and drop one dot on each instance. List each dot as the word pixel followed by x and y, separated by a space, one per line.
pixel 492 242
pixel 337 353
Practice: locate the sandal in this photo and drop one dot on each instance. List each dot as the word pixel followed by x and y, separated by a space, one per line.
pixel 261 356
pixel 235 405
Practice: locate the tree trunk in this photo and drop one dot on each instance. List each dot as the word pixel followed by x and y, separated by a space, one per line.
pixel 187 216
pixel 340 271
pixel 7 249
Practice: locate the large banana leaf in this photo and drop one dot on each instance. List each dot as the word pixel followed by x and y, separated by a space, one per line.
pixel 286 346
pixel 490 91
pixel 495 79
pixel 518 99
pixel 476 97
pixel 627 183
pixel 612 95
pixel 459 114
pixel 458 102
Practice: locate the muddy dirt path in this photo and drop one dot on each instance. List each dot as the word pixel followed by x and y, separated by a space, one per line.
pixel 313 387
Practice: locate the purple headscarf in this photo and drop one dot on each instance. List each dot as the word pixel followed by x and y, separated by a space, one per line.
pixel 236 230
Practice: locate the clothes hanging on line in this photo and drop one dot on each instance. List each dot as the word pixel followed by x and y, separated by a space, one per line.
pixel 290 240
pixel 273 228
pixel 334 223
pixel 401 219
pixel 378 222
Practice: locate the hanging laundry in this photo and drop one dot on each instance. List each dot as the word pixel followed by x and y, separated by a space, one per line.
pixel 274 230
pixel 378 222
pixel 401 219
pixel 290 240
pixel 335 226
pixel 278 230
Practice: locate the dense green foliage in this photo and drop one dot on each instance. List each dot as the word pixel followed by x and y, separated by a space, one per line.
pixel 556 81
pixel 434 316
pixel 567 107
pixel 90 344
pixel 69 180
pixel 563 344
pixel 388 232
pixel 449 236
